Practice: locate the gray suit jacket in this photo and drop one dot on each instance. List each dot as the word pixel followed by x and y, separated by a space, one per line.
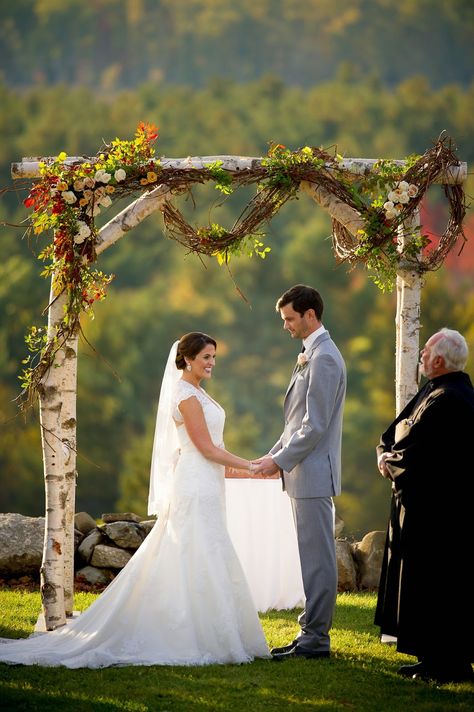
pixel 309 449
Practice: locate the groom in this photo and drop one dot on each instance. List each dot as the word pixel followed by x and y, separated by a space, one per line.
pixel 308 455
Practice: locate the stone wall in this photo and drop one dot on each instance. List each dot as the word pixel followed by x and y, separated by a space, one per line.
pixel 102 550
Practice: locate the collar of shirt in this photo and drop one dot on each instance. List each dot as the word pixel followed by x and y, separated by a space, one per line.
pixel 309 341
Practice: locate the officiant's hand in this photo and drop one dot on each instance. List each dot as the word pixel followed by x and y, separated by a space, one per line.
pixel 382 465
pixel 265 466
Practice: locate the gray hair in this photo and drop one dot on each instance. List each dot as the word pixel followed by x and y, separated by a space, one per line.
pixel 452 347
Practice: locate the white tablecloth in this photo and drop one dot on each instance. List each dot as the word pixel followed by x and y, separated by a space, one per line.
pixel 261 527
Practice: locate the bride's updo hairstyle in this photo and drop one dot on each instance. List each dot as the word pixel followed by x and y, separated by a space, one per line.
pixel 190 345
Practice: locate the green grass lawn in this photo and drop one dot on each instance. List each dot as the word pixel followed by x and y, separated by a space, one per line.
pixel 359 677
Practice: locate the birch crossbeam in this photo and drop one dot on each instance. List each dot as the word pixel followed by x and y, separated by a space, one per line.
pixel 28 167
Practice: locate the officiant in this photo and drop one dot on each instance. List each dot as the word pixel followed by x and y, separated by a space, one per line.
pixel 424 599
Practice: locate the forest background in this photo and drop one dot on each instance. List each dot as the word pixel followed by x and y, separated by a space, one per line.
pixel 369 78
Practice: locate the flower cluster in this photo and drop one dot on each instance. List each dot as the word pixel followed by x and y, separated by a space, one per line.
pixel 69 197
pixel 302 360
pixel 398 197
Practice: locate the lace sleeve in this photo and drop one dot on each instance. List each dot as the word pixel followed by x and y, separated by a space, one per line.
pixel 184 391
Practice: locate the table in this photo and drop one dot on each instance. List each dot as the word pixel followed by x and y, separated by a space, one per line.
pixel 260 523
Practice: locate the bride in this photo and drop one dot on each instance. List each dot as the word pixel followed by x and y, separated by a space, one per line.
pixel 182 599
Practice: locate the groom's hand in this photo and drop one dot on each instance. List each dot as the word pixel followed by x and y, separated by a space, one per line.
pixel 265 466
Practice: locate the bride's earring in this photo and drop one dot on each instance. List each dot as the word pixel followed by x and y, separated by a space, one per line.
pixel 188 367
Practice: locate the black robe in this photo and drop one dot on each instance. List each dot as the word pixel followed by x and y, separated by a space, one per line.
pixel 425 594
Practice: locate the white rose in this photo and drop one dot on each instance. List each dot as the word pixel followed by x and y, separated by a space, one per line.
pixel 93 211
pixel 390 210
pixel 404 198
pixel 106 201
pixel 83 231
pixel 69 197
pixel 79 184
pixel 393 196
pixel 102 176
pixel 403 185
pixel 302 360
pixel 89 182
pixel 83 228
pixel 120 175
pixel 412 190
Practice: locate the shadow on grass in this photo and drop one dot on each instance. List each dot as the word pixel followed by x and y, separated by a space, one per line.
pixel 13 633
pixel 360 676
pixel 332 685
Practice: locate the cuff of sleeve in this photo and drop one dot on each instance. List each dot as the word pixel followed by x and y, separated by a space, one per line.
pixel 276 457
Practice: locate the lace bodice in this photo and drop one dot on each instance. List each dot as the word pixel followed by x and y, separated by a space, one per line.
pixel 213 413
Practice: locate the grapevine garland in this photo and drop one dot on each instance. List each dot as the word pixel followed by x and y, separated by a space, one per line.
pixel 69 196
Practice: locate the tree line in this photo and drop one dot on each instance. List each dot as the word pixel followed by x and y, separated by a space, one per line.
pixel 122 43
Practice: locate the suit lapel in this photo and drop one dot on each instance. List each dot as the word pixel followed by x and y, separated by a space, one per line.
pixel 322 337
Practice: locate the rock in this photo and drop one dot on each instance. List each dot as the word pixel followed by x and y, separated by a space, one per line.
pixel 122 517
pixel 109 557
pixel 147 525
pixel 78 537
pixel 338 526
pixel 94 576
pixel 21 543
pixel 86 547
pixel 127 535
pixel 84 522
pixel 346 570
pixel 368 554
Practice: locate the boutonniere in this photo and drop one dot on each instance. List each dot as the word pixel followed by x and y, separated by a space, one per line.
pixel 301 361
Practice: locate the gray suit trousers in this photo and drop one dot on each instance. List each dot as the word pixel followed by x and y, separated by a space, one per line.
pixel 314 521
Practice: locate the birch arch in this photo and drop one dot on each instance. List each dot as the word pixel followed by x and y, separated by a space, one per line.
pixel 57 369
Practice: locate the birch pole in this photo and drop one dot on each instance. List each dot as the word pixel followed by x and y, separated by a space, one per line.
pixel 69 445
pixel 57 396
pixel 407 321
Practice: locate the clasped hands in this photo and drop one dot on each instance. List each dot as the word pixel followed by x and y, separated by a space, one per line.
pixel 382 465
pixel 264 466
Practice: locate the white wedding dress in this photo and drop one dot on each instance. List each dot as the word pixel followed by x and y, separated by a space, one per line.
pixel 182 599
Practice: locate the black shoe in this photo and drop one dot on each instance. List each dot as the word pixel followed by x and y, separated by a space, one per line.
pixel 444 673
pixel 297 652
pixel 284 648
pixel 438 673
pixel 412 670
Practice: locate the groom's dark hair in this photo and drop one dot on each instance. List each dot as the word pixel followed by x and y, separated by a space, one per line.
pixel 302 298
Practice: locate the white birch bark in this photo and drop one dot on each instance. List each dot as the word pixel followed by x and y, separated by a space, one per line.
pixel 57 395
pixel 29 167
pixel 336 208
pixel 69 444
pixel 130 217
pixel 409 284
